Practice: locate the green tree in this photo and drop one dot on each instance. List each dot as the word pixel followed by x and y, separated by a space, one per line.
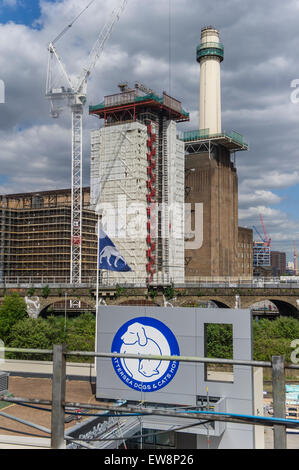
pixel 219 341
pixel 152 293
pixel 31 291
pixel 169 292
pixel 120 291
pixel 273 337
pixel 80 335
pixel 37 333
pixel 12 310
pixel 46 291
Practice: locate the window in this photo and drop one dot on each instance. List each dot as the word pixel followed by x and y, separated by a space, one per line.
pixel 151 439
pixel 218 343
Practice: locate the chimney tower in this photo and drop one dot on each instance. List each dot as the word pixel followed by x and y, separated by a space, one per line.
pixel 210 54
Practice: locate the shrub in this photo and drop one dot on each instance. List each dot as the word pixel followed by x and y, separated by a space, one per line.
pixel 273 337
pixel 12 310
pixel 46 291
pixel 36 334
pixel 152 293
pixel 169 292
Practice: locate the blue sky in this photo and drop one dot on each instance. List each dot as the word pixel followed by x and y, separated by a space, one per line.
pixel 289 200
pixel 20 11
pixel 261 41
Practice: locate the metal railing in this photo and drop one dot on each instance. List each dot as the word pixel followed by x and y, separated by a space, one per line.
pixel 205 134
pixel 210 44
pixel 113 282
pixel 59 406
pixel 41 281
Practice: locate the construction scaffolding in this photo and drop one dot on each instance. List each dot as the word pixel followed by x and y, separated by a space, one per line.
pixel 118 192
pixel 137 183
pixel 36 232
pixel 261 254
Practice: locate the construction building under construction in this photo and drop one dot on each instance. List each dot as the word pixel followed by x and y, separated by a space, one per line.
pixel 35 235
pixel 137 182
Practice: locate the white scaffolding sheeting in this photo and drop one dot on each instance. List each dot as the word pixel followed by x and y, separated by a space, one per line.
pixel 176 195
pixel 118 192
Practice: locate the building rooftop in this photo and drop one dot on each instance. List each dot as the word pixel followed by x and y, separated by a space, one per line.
pixel 133 99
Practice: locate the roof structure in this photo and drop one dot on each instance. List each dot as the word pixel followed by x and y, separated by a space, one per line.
pixel 132 102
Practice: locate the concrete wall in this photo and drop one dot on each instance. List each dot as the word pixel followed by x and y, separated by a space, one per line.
pixel 245 252
pixel 214 183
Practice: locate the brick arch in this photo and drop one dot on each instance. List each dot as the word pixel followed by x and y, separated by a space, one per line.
pixel 45 303
pixel 221 302
pixel 286 306
pixel 186 302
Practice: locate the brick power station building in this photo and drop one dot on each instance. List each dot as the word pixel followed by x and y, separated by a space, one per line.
pixel 211 179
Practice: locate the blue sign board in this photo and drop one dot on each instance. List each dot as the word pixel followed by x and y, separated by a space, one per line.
pixel 145 336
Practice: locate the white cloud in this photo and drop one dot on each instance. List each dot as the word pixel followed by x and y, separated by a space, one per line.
pixel 253 212
pixel 259 196
pixel 42 161
pixel 148 66
pixel 272 179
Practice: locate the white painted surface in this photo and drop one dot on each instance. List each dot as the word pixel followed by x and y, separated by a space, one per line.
pixel 210 87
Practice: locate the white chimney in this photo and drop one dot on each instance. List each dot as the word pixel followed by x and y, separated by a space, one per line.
pixel 210 54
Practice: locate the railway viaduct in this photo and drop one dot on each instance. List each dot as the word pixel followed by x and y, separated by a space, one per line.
pixel 285 299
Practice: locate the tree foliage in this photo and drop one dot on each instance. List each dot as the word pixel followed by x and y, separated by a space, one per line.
pixel 270 337
pixel 219 341
pixel 81 334
pixel 12 310
pixel 46 291
pixel 273 337
pixel 77 333
pixel 37 333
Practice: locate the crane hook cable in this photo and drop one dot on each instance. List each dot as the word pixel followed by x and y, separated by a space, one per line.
pixel 71 24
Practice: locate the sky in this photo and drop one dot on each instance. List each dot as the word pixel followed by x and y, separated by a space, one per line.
pixel 155 43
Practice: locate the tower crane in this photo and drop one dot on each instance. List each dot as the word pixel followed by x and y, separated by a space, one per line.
pixel 258 233
pixel 73 95
pixel 266 240
pixel 295 258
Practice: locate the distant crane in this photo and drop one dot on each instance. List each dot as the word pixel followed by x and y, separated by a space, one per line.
pixel 258 233
pixel 261 250
pixel 266 239
pixel 295 259
pixel 73 95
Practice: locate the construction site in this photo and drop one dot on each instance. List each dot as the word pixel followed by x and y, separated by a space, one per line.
pixel 35 237
pixel 167 199
pixel 137 170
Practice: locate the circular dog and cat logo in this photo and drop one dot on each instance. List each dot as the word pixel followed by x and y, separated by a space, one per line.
pixel 145 336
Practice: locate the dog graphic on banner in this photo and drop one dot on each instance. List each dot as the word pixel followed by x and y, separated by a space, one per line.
pixel 107 252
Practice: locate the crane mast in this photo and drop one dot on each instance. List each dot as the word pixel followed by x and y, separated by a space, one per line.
pixel 74 96
pixel 76 217
pixel 267 240
pixel 295 259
